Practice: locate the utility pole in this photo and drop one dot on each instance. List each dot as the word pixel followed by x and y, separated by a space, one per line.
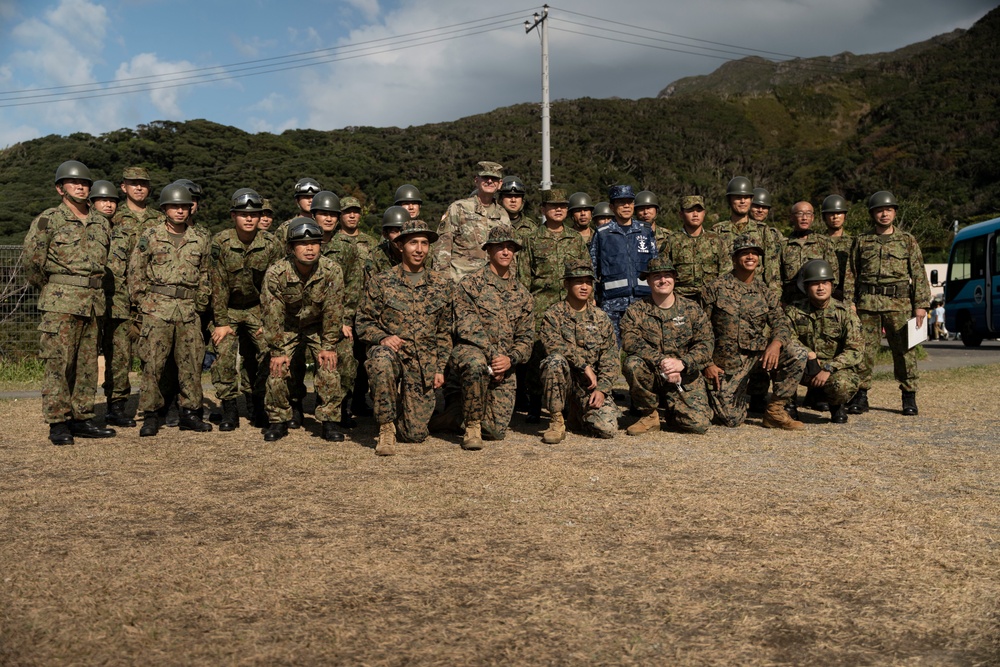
pixel 541 20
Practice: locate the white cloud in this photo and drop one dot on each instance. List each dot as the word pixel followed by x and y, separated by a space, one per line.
pixel 368 8
pixel 164 96
pixel 12 135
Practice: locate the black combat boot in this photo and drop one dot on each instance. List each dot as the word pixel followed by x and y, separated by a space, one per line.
pixel 230 415
pixel 792 408
pixel 858 403
pixel 118 414
pixel 331 433
pixel 816 399
pixel 534 409
pixel 297 416
pixel 85 428
pixel 275 431
pixel 190 420
pixel 909 403
pixel 838 414
pixel 59 434
pixel 259 412
pixel 150 423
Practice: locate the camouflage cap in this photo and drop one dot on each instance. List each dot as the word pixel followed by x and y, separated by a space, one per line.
pixel 135 174
pixel 620 192
pixel 502 234
pixel 349 202
pixel 578 268
pixel 414 228
pixel 555 196
pixel 746 241
pixel 689 202
pixel 490 169
pixel 265 205
pixel 659 264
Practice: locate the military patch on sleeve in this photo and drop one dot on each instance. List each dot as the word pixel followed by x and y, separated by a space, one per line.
pixel 43 224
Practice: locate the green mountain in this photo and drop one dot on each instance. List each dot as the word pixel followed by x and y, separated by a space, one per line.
pixel 921 121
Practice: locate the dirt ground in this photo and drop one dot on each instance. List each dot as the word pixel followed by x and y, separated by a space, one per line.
pixel 873 543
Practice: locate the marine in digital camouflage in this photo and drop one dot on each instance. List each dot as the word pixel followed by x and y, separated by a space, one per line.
pixel 769 271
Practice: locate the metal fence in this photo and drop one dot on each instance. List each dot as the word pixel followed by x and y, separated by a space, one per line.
pixel 19 315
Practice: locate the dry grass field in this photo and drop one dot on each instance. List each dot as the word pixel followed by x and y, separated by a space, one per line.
pixel 874 543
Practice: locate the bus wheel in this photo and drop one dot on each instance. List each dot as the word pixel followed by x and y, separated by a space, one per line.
pixel 969 336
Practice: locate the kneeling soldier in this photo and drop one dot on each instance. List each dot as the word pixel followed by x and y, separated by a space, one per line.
pixel 583 360
pixel 669 342
pixel 406 317
pixel 302 305
pixel 496 328
pixel 832 333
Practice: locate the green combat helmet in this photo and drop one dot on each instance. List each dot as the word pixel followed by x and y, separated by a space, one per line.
pixel 882 198
pixel 73 169
pixel 740 186
pixel 602 209
pixel 511 185
pixel 324 200
pixel 579 201
pixel 307 186
pixel 408 193
pixel 175 193
pixel 103 190
pixel 247 200
pixel 834 204
pixel 761 197
pixel 394 217
pixel 814 271
pixel 303 230
pixel 646 198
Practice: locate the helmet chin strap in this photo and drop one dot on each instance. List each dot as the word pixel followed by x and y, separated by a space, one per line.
pixel 78 200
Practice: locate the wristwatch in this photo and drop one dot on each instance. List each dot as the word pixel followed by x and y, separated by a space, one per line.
pixel 828 368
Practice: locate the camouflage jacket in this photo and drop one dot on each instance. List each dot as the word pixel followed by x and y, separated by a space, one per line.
pixel 158 265
pixel 842 247
pixel 523 227
pixel 292 303
pixel 886 273
pixel 796 251
pixel 463 230
pixel 745 319
pixel 495 315
pixel 421 314
pixel 65 258
pixel 345 254
pixel 124 236
pixel 363 243
pixel 238 271
pixel 833 333
pixel 542 262
pixel 698 260
pixel 384 257
pixel 769 271
pixel 585 339
pixel 681 332
pixel 124 216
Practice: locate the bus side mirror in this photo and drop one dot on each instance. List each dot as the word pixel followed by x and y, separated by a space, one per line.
pixel 934 277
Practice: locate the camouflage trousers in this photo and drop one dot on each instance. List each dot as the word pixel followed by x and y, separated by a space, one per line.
pixel 689 408
pixel 117 346
pixel 347 364
pixel 730 402
pixel 68 348
pixel 398 395
pixel 563 391
pixel 159 341
pixel 247 343
pixel 280 391
pixel 904 361
pixel 483 400
pixel 840 386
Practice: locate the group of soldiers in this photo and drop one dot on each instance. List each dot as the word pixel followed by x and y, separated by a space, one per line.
pixel 451 329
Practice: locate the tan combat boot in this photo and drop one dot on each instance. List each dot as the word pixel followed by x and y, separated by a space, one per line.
pixel 556 432
pixel 386 440
pixel 777 417
pixel 473 438
pixel 646 423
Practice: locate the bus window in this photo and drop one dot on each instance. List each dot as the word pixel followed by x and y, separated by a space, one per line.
pixel 968 260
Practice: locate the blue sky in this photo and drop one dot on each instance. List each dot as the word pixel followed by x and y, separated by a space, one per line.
pixel 399 62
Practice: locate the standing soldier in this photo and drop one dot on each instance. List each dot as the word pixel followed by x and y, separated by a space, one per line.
pixel 800 247
pixel 583 361
pixel 647 207
pixel 104 199
pixel 601 216
pixel 739 194
pixel 697 255
pixel 760 205
pixel 386 253
pixel 406 317
pixel 494 330
pixel 409 197
pixel 135 185
pixel 751 331
pixel 305 189
pixel 831 332
pixel 511 197
pixel 169 279
pixel 65 253
pixel 888 285
pixel 834 212
pixel 669 343
pixel 619 251
pixel 581 209
pixel 241 256
pixel 301 302
pixel 266 215
pixel 466 225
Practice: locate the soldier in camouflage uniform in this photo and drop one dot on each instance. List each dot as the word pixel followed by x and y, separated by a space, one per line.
pixel 266 216
pixel 409 197
pixel 407 317
pixel 302 310
pixel 510 195
pixel 305 189
pixel 65 252
pixel 801 246
pixel 647 208
pixel 581 210
pixel 834 212
pixel 760 205
pixel 669 341
pixel 386 254
pixel 169 280
pixel 831 332
pixel 750 331
pixel 739 194
pixel 601 215
pixel 888 285
pixel 240 257
pixel 583 361
pixel 466 225
pixel 697 255
pixel 104 199
pixel 494 326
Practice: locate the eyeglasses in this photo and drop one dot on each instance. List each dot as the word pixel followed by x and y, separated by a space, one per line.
pixel 804 214
pixel 247 200
pixel 304 232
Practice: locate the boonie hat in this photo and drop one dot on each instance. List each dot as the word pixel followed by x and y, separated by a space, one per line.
pixel 502 234
pixel 578 268
pixel 659 264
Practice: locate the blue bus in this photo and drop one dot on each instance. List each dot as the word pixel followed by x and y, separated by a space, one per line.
pixel 972 290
